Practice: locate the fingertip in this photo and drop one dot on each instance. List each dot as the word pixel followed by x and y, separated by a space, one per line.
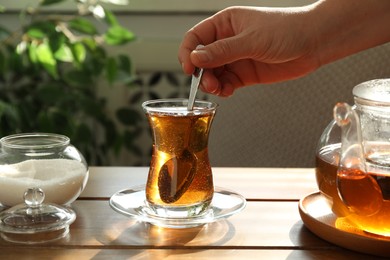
pixel 209 83
pixel 215 89
pixel 200 57
pixel 185 60
pixel 187 67
pixel 212 89
pixel 205 87
pixel 227 90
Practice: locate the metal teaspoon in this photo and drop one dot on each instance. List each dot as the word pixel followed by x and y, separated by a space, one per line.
pixel 196 77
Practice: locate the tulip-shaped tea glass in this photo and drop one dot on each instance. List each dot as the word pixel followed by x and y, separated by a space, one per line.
pixel 180 181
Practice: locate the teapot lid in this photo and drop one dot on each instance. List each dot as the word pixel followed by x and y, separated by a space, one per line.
pixel 377 90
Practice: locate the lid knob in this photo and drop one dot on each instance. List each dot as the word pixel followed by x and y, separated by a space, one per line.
pixel 33 197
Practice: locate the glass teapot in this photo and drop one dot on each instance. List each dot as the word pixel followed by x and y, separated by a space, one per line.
pixel 353 158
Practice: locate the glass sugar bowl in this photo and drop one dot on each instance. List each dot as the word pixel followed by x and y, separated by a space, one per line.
pixel 41 174
pixel 46 161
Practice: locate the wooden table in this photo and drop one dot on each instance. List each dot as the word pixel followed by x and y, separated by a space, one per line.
pixel 268 228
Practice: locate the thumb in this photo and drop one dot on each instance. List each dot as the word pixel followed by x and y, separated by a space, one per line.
pixel 218 53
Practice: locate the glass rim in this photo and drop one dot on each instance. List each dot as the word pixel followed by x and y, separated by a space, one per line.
pixel 41 140
pixel 157 105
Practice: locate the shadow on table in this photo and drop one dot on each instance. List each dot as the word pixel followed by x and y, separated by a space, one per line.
pixel 320 249
pixel 150 239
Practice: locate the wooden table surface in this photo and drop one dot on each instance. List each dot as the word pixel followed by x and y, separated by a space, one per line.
pixel 268 228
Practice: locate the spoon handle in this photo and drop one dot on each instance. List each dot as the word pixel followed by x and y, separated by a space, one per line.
pixel 196 77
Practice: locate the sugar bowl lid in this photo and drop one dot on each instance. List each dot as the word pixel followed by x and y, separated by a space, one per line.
pixel 35 221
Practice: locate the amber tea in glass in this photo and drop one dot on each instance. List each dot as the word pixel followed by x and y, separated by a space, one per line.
pixel 180 181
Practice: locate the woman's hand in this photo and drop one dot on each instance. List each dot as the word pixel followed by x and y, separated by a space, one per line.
pixel 248 45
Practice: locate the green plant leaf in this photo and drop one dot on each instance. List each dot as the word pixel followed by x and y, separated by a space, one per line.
pixel 111 70
pixel 95 60
pixel 128 116
pixel 59 119
pixel 79 52
pixel 57 40
pixel 50 2
pixel 118 35
pixel 8 110
pixel 36 33
pixel 83 25
pixel 32 53
pixel 126 78
pixel 15 62
pixel 4 33
pixel 93 108
pixel 111 133
pixel 77 78
pixel 83 133
pixel 3 63
pixel 41 29
pixel 64 53
pixel 124 63
pixel 124 74
pixel 110 18
pixel 46 58
pixel 50 94
pixel 44 122
pixel 90 43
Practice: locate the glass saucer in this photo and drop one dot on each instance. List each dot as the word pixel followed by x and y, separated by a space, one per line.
pixel 131 202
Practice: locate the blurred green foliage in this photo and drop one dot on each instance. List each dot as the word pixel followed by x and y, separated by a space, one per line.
pixel 50 69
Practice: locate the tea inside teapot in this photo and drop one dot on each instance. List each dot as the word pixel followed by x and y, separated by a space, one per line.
pixel 356 148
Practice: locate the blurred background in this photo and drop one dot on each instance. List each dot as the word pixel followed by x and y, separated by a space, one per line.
pixel 275 125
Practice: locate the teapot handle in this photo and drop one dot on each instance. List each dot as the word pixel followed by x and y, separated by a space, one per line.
pixel 353 179
pixel 352 156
